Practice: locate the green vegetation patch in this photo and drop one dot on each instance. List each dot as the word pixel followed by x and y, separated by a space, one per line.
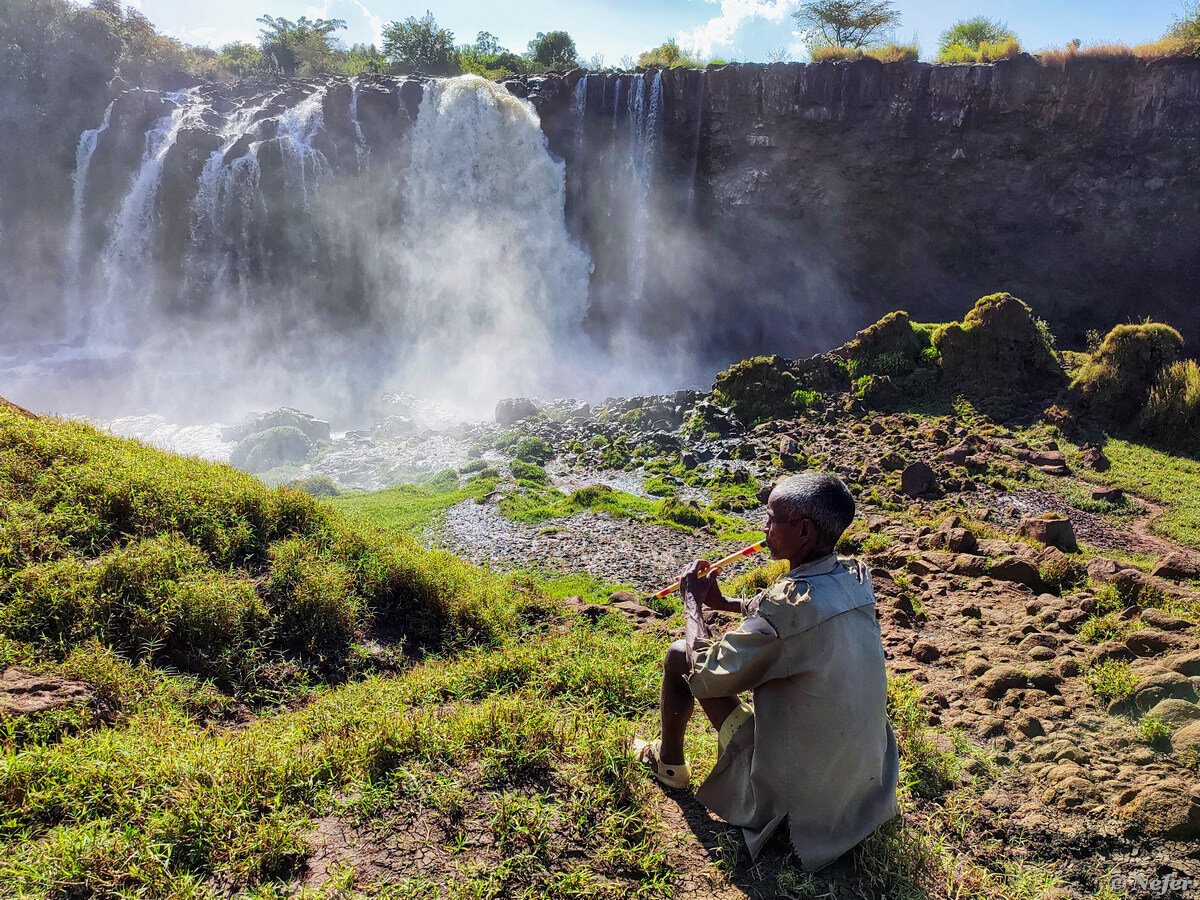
pixel 411 508
pixel 176 562
pixel 1116 381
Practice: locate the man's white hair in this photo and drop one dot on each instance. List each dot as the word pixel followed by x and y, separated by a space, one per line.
pixel 822 498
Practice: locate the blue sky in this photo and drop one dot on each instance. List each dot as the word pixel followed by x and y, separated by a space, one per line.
pixel 732 29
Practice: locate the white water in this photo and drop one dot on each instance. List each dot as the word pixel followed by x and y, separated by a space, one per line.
pixel 304 164
pixel 645 133
pixel 362 151
pixel 84 151
pixel 129 258
pixel 495 290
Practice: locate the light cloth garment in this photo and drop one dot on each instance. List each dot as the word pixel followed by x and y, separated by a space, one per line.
pixel 818 749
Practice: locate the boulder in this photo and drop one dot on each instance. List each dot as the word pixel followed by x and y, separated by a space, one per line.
pixel 316 430
pixel 1175 712
pixel 1095 459
pixel 22 694
pixel 1163 686
pixel 1050 529
pixel 916 479
pixel 1107 495
pixel 1186 739
pixel 998 681
pixel 1017 570
pixel 1177 567
pixel 1164 621
pixel 1152 642
pixel 511 410
pixel 1167 809
pixel 268 449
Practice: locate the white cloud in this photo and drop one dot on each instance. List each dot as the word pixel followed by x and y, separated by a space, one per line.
pixel 719 31
pixel 211 36
pixel 326 11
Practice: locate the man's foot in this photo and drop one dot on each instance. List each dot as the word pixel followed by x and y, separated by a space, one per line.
pixel 674 775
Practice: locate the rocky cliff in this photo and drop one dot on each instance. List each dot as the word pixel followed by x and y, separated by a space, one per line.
pixel 831 193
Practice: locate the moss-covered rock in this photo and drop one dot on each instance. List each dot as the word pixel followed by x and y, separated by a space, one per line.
pixel 998 355
pixel 1116 381
pixel 273 447
pixel 894 345
pixel 758 389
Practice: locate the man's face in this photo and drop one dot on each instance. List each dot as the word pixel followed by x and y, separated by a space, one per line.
pixel 785 540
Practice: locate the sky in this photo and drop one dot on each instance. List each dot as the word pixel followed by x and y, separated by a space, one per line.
pixel 734 30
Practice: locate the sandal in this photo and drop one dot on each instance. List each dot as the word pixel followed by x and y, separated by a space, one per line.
pixel 673 775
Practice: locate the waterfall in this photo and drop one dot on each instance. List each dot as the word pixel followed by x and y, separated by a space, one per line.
pixel 362 151
pixel 129 258
pixel 645 136
pixel 303 163
pixel 74 252
pixel 227 196
pixel 496 289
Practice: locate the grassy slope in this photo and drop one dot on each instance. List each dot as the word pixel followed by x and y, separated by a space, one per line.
pixel 513 747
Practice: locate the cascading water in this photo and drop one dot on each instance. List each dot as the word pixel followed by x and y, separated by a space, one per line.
pixel 362 151
pixel 303 163
pixel 645 134
pixel 129 258
pixel 74 254
pixel 495 288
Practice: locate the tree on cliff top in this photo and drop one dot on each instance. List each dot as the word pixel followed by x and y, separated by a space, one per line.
pixel 420 45
pixel 974 32
pixel 846 23
pixel 1186 29
pixel 553 49
pixel 306 44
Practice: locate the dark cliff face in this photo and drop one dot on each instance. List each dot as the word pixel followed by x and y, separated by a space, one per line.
pixel 825 195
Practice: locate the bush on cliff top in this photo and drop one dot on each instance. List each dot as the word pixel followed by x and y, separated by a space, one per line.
pixel 180 562
pixel 760 388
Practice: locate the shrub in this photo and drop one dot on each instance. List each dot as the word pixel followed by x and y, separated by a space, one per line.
pixel 1116 381
pixel 758 389
pixel 668 55
pixel 533 450
pixel 1153 730
pixel 1111 680
pixel 315 486
pixel 890 53
pixel 986 52
pixel 830 53
pixel 1171 416
pixel 974 33
pixel 523 471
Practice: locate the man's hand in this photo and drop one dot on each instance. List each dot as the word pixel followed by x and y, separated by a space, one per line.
pixel 693 584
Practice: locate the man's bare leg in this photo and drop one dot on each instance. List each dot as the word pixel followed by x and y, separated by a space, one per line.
pixel 677 704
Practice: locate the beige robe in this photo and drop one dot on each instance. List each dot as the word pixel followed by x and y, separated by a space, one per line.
pixel 819 749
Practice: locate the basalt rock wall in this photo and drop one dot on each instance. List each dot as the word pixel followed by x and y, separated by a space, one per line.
pixel 794 199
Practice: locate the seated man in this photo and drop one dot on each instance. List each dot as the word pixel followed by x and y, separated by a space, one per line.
pixel 817 747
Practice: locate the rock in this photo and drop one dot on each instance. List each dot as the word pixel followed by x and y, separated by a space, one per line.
pixel 1094 459
pixel 1050 529
pixel 1177 567
pixel 316 430
pixel 513 409
pixel 925 651
pixel 1164 686
pixel 1186 664
pixel 1186 739
pixel 1107 495
pixel 1068 667
pixel 1030 726
pixel 1164 621
pixel 1167 809
pixel 623 597
pixel 1051 462
pixel 1017 570
pixel 764 493
pixel 1175 712
pixel 892 461
pixel 1152 642
pixel 998 681
pixel 268 449
pixel 22 694
pixel 956 456
pixel 916 479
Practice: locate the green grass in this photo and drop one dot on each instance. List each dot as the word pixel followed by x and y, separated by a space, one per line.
pixel 1111 680
pixel 411 508
pixel 1173 481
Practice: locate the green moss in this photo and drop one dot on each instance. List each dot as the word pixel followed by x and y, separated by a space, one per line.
pixel 758 389
pixel 528 472
pixel 533 450
pixel 1116 381
pixel 1171 417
